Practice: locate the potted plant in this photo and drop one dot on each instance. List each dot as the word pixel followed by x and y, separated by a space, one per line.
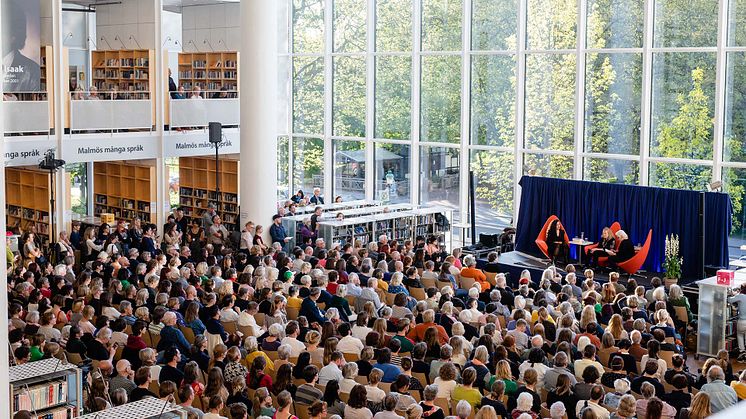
pixel 673 261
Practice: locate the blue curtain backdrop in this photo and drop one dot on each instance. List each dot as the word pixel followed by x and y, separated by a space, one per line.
pixel 589 206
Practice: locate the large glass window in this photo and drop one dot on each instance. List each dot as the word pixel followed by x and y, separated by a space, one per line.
pixel 612 171
pixel 441 25
pixel 734 183
pixel 439 177
pixel 308 26
pixel 683 105
pixel 393 158
pixel 441 99
pixel 552 24
pixel 349 170
pixel 308 163
pixel 736 23
pixel 691 23
pixel 349 96
pixel 308 95
pixel 393 97
pixel 493 94
pixel 615 23
pixel 548 165
pixel 349 26
pixel 550 101
pixel 613 103
pixel 734 145
pixel 283 160
pixel 393 25
pixel 680 176
pixel 494 25
pixel 493 182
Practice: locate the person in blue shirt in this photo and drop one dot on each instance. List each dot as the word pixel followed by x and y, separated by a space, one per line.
pixel 278 233
pixel 317 199
pixel 212 323
pixel 383 363
pixel 309 308
pixel 171 336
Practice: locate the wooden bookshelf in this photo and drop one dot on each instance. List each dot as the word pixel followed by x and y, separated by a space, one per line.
pixel 197 188
pixel 209 70
pixel 124 189
pixel 128 70
pixel 27 193
pixel 48 388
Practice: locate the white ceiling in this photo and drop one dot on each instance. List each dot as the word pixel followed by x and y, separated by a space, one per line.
pixel 170 5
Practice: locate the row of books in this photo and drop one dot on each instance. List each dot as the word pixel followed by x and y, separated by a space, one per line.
pixel 65 412
pixel 40 396
pixel 128 62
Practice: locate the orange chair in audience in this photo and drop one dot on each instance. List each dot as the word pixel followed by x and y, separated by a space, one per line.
pixel 541 240
pixel 631 266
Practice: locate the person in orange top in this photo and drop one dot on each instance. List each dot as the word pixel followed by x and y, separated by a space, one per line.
pixel 417 333
pixel 471 271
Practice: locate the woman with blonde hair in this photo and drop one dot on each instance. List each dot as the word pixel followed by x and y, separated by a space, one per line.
pixel 313 339
pixel 608 294
pixel 699 409
pixel 627 408
pixel 588 315
pixel 486 412
pixel 616 328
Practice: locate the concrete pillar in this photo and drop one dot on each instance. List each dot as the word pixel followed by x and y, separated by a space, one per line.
pixel 258 92
pixel 4 349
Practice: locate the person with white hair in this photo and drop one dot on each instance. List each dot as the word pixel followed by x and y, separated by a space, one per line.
pixel 470 270
pixel 463 409
pixel 621 387
pixel 557 410
pixel 523 404
pixel 722 396
pixel 625 250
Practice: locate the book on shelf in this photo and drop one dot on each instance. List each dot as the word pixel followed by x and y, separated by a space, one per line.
pixel 40 396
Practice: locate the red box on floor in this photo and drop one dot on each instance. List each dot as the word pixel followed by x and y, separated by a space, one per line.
pixel 725 277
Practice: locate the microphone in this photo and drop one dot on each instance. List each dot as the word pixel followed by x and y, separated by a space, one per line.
pixel 165 405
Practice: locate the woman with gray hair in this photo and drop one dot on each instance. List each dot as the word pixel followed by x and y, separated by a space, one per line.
pixel 557 411
pixel 463 409
pixel 429 409
pixel 524 403
pixel 349 372
pixel 625 250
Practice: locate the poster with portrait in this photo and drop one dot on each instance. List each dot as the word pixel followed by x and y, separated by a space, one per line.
pixel 21 49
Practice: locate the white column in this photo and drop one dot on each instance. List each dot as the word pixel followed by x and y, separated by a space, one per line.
pixel 258 97
pixel 4 351
pixel 60 187
pixel 161 175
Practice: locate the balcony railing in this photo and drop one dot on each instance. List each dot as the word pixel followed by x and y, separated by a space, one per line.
pixel 111 111
pixel 26 112
pixel 211 106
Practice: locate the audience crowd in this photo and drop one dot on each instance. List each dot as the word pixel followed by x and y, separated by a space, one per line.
pixel 385 329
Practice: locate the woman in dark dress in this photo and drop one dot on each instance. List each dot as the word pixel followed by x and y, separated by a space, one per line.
pixel 606 244
pixel 556 245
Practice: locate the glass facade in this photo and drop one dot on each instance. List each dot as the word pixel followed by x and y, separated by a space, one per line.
pixel 619 91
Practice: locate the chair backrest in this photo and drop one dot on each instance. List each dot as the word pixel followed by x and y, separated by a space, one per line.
pixel 421 377
pixel 230 327
pixel 418 293
pixel 681 314
pixel 427 282
pixel 633 264
pixel 188 333
pixel 466 282
pixel 212 342
pixel 667 356
pixel 614 228
pixel 390 298
pixel 259 317
pixel 543 233
pixel 301 410
pixel 351 357
pixel 442 402
pixel 292 312
pixel 491 278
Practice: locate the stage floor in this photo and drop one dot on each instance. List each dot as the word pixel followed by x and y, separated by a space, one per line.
pixel 515 262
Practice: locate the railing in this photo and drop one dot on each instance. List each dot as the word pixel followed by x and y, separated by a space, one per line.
pixel 111 111
pixel 191 110
pixel 26 112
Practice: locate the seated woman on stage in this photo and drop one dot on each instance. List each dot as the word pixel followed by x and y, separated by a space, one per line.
pixel 556 245
pixel 626 249
pixel 606 243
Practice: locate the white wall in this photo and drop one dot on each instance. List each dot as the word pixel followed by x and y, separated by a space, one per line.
pixel 45 15
pixel 211 28
pixel 128 25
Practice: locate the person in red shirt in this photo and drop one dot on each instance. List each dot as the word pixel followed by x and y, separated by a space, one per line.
pixel 417 333
pixel 590 331
pixel 471 271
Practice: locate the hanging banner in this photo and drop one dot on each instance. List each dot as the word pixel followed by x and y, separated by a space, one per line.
pixel 26 152
pixel 21 46
pixel 180 144
pixel 90 148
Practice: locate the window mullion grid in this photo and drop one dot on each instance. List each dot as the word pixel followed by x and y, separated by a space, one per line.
pixel 580 91
pixel 414 167
pixel 647 90
pixel 720 92
pixel 370 115
pixel 328 185
pixel 464 195
pixel 520 107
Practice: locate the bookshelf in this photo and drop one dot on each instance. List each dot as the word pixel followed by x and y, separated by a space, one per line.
pixel 127 70
pixel 209 70
pixel 197 188
pixel 400 226
pixel 50 388
pixel 124 189
pixel 27 194
pixel 293 224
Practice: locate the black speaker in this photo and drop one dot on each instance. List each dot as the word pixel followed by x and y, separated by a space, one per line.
pixel 216 132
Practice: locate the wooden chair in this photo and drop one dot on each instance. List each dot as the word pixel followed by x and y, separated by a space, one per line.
pixel 118 354
pixel 351 300
pixel 245 330
pixel 154 338
pixel 292 312
pixel 301 410
pixel 667 356
pixel 491 278
pixel 272 355
pixel 148 339
pixel 441 284
pixel 230 327
pixel 422 378
pixel 351 357
pixel 362 379
pixel 154 387
pixel 74 358
pixel 390 298
pixel 386 387
pixel 188 333
pixel 543 394
pixel 259 317
pixel 466 282
pixel 428 282
pixel 442 403
pixel 344 397
pixel 418 293
pixel 198 403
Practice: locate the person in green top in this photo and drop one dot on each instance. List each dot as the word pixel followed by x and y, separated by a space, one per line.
pixel 401 335
pixel 37 347
pixel 502 372
pixel 340 302
pixel 466 390
pixel 677 299
pixel 9 256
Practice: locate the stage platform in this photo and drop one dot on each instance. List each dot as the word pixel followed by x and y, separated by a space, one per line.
pixel 515 262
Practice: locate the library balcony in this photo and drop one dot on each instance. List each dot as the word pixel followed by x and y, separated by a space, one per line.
pixel 197 109
pixel 27 113
pixel 111 111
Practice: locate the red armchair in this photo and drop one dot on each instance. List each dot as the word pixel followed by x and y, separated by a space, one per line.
pixel 631 266
pixel 541 239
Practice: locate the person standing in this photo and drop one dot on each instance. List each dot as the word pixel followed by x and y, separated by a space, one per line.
pixel 278 232
pixel 740 300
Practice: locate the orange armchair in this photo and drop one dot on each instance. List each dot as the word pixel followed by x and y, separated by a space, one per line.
pixel 541 240
pixel 631 266
pixel 614 228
